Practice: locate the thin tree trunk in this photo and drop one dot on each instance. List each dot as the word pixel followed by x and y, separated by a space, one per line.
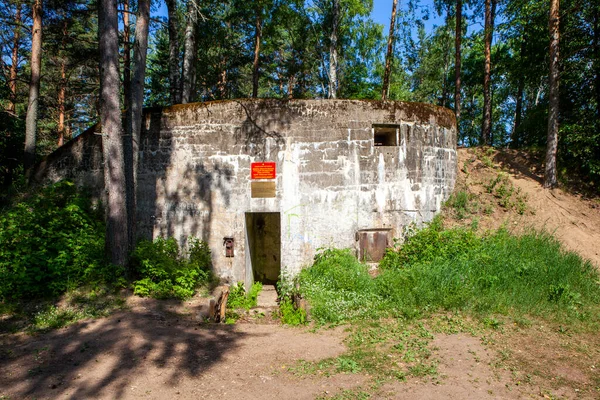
pixel 550 176
pixel 34 88
pixel 222 85
pixel 112 142
pixel 385 90
pixel 597 57
pixel 257 39
pixel 126 57
pixel 189 54
pixel 333 61
pixel 13 71
pixel 290 86
pixel 519 103
pixel 132 139
pixel 174 86
pixel 457 59
pixel 61 103
pixel 487 100
pixel 445 94
pixel 62 89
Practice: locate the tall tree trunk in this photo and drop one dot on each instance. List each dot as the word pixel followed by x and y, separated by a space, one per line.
pixel 257 39
pixel 333 61
pixel 222 84
pixel 189 53
pixel 132 139
pixel 550 176
pixel 457 59
pixel 126 57
pixel 597 57
pixel 385 90
pixel 486 128
pixel 62 89
pixel 13 71
pixel 112 142
pixel 519 103
pixel 61 103
pixel 290 86
pixel 174 86
pixel 445 94
pixel 34 88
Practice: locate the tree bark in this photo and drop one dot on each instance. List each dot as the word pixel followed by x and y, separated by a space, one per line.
pixel 597 57
pixel 61 103
pixel 13 71
pixel 62 89
pixel 550 176
pixel 333 61
pixel 257 39
pixel 126 57
pixel 385 90
pixel 174 86
pixel 112 142
pixel 519 103
pixel 457 59
pixel 34 88
pixel 445 94
pixel 486 128
pixel 132 139
pixel 189 53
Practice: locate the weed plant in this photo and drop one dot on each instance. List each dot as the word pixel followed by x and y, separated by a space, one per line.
pixel 163 273
pixel 239 299
pixel 456 269
pixel 289 314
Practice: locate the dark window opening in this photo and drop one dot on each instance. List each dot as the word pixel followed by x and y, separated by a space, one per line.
pixel 385 135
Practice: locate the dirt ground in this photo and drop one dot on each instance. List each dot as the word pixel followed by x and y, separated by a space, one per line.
pixel 153 353
pixel 160 350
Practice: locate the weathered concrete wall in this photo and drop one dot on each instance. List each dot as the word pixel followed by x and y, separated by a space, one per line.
pixel 194 172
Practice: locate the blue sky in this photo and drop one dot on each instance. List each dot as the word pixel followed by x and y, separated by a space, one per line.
pixel 381 13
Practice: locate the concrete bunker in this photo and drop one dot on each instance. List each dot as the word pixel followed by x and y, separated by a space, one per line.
pixel 268 182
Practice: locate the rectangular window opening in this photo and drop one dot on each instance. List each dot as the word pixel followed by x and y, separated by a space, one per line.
pixel 385 135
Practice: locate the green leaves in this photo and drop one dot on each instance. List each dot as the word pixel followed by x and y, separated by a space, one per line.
pixel 164 273
pixel 50 242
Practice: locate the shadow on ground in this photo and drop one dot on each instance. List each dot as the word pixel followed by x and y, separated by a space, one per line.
pixel 100 358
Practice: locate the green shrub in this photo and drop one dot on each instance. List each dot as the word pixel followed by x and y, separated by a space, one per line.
pixel 455 269
pixel 239 299
pixel 431 243
pixel 163 273
pixel 289 314
pixel 50 242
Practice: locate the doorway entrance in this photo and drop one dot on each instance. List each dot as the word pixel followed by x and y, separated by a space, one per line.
pixel 263 232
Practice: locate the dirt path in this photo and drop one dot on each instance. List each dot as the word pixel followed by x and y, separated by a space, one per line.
pixel 144 353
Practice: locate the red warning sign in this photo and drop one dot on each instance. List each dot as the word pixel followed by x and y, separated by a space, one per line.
pixel 262 170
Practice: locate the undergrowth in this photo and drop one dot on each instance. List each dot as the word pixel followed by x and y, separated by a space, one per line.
pixel 457 269
pixel 50 242
pixel 164 273
pixel 239 299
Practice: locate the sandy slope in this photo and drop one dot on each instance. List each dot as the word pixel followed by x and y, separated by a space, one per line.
pixel 575 221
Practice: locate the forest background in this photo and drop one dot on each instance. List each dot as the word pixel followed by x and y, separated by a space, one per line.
pixel 202 50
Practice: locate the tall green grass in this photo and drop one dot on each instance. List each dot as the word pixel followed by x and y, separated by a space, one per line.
pixel 456 269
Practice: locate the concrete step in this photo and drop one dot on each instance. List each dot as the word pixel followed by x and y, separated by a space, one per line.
pixel 267 298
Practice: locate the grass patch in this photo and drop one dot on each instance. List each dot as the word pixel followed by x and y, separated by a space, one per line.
pixel 43 315
pixel 453 270
pixel 386 349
